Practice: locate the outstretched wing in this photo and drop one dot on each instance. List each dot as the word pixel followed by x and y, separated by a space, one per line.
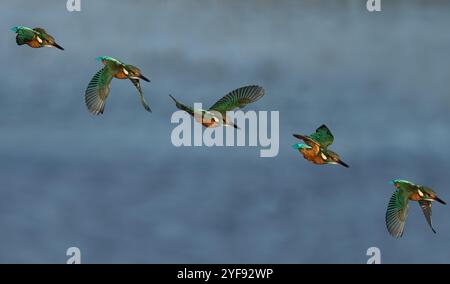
pixel 137 84
pixel 182 106
pixel 323 136
pixel 426 208
pixel 396 213
pixel 98 90
pixel 238 99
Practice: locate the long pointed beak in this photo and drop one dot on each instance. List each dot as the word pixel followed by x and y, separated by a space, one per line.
pixel 58 46
pixel 343 164
pixel 144 78
pixel 175 100
pixel 440 200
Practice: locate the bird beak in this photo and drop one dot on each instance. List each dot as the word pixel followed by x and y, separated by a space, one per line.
pixel 440 200
pixel 342 163
pixel 144 78
pixel 235 126
pixel 58 46
pixel 173 98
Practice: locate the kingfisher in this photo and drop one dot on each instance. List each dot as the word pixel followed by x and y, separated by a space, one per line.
pixel 216 116
pixel 98 88
pixel 397 209
pixel 35 38
pixel 316 145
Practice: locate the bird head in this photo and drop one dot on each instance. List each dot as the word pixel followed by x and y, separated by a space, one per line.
pixel 333 158
pixel 50 42
pixel 428 194
pixel 47 40
pixel 212 117
pixel 134 73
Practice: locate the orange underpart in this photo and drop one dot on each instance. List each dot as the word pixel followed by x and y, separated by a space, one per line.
pixel 415 197
pixel 34 43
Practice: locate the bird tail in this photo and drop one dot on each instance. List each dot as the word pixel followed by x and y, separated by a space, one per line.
pixel 182 106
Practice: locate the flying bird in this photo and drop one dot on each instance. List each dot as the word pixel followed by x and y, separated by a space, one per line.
pixel 98 89
pixel 397 210
pixel 216 116
pixel 35 38
pixel 315 148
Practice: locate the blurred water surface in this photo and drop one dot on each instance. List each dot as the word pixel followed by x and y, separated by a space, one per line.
pixel 115 187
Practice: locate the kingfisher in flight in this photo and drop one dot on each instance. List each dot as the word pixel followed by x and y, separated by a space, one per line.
pixel 397 210
pixel 98 89
pixel 35 38
pixel 315 148
pixel 216 116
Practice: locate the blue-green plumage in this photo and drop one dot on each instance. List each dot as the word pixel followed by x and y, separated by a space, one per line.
pixel 299 146
pixel 35 38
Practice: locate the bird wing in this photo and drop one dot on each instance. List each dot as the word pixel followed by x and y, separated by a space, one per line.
pixel 323 136
pixel 426 208
pixel 137 84
pixel 24 34
pixel 98 90
pixel 396 213
pixel 182 106
pixel 238 99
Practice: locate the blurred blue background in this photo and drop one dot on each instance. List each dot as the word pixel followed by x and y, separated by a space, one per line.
pixel 116 187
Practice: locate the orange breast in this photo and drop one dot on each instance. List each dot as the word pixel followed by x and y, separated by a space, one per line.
pixel 34 43
pixel 310 155
pixel 415 197
pixel 121 75
pixel 206 122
